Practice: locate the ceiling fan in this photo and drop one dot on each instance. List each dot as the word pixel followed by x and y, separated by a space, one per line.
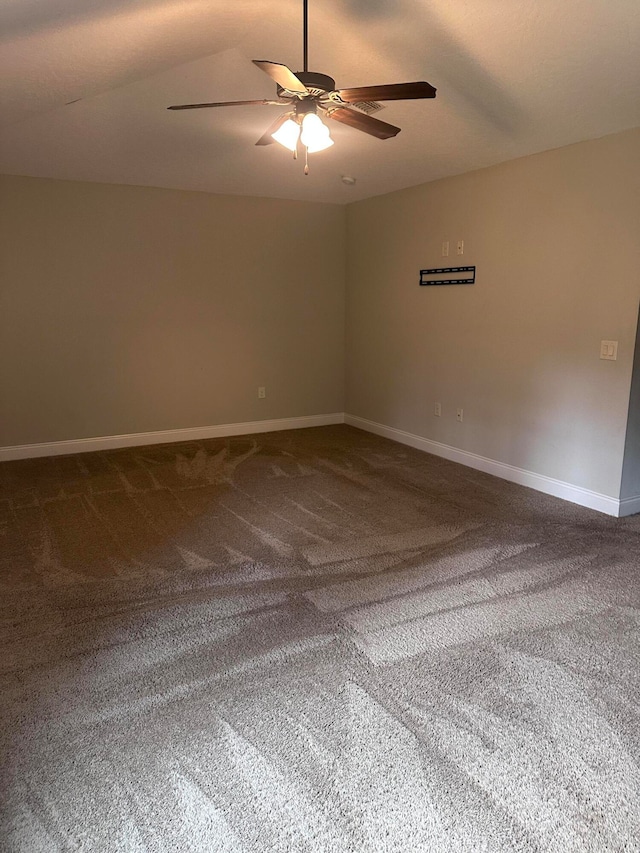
pixel 309 95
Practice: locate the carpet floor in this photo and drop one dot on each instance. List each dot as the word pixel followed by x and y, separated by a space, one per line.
pixel 315 640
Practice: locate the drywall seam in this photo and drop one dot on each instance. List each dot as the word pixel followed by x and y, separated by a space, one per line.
pixel 109 442
pixel 548 485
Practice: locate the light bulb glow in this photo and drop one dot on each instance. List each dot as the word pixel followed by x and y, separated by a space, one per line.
pixel 315 135
pixel 287 134
pixel 311 128
pixel 320 144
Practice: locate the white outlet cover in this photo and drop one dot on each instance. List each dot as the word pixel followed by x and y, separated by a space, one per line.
pixel 609 350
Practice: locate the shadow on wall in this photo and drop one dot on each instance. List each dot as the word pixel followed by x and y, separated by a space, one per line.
pixel 631 464
pixel 452 67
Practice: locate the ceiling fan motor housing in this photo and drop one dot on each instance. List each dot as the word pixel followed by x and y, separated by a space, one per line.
pixel 317 83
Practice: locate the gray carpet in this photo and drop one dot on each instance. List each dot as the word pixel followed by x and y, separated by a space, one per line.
pixel 315 640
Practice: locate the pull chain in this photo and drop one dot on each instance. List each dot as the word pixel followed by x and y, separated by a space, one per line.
pixel 306 160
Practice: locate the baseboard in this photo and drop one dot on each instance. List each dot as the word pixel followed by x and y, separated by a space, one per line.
pixel 539 482
pixel 137 439
pixel 557 488
pixel 630 506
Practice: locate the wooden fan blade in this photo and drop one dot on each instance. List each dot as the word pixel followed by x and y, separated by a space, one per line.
pixel 393 92
pixel 282 75
pixel 360 121
pixel 226 104
pixel 267 138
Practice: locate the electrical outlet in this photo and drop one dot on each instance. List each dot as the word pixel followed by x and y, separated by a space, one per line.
pixel 609 350
pixel 460 247
pixel 459 415
pixel 437 410
pixel 262 392
pixel 445 249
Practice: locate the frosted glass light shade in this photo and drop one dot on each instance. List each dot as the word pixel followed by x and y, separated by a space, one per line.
pixel 315 135
pixel 320 144
pixel 287 134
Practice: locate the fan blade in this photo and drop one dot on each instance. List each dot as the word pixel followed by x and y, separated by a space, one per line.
pixel 393 92
pixel 227 104
pixel 282 75
pixel 360 121
pixel 267 138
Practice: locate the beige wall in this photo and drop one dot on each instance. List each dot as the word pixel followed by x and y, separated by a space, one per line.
pixel 555 240
pixel 128 309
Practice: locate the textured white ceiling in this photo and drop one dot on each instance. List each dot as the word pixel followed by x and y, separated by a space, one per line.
pixel 513 77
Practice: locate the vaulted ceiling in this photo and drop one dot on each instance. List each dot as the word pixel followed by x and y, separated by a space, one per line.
pixel 84 86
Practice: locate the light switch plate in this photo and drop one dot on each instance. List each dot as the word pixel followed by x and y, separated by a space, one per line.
pixel 609 350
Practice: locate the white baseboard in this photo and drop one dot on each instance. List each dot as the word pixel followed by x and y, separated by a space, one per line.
pixel 137 439
pixel 539 482
pixel 630 506
pixel 557 488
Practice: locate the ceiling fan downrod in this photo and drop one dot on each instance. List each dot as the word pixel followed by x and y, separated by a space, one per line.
pixel 305 34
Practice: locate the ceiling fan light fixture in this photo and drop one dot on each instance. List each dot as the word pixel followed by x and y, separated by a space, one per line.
pixel 304 93
pixel 320 145
pixel 315 135
pixel 287 134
